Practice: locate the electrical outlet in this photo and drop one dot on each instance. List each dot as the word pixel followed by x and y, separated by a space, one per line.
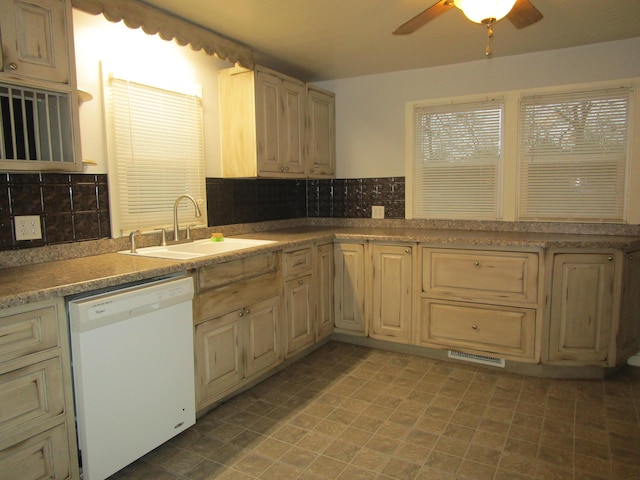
pixel 377 212
pixel 28 227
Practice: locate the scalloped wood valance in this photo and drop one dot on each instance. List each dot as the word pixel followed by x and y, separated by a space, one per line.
pixel 153 21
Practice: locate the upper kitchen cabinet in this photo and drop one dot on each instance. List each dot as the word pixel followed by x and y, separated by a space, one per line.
pixel 265 131
pixel 38 87
pixel 35 40
pixel 321 134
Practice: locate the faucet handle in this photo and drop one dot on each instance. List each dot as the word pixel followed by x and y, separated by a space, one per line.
pixel 132 239
pixel 188 237
pixel 163 241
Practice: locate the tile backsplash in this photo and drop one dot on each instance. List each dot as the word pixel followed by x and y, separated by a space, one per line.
pixel 71 207
pixel 75 207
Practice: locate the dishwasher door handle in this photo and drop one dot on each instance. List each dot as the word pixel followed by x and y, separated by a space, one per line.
pixel 134 312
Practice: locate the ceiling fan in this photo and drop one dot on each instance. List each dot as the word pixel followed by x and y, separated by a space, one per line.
pixel 521 13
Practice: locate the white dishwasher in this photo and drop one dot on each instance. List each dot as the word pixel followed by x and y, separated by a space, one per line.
pixel 133 371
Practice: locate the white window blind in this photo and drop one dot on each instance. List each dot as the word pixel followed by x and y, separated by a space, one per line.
pixel 158 154
pixel 573 151
pixel 457 158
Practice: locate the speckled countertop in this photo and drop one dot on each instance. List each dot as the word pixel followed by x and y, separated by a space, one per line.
pixel 57 278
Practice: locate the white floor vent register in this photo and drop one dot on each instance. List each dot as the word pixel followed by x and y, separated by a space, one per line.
pixel 484 360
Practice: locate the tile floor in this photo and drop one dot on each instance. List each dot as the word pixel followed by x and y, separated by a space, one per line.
pixel 348 412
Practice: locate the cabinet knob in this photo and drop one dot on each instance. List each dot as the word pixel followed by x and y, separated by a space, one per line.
pixel 610 259
pixel 319 249
pixel 13 66
pixel 241 314
pixel 474 326
pixel 313 170
pixel 282 169
pixel 300 282
pixel 286 169
pixel 477 264
pixel 247 311
pixel 407 250
pixel 630 257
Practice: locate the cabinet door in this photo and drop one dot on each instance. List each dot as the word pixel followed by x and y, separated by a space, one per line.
pixel 218 356
pixel 324 290
pixel 581 307
pixel 321 141
pixel 629 329
pixel 44 455
pixel 268 122
pixel 300 332
pixel 262 338
pixel 391 292
pixel 349 288
pixel 292 134
pixel 34 39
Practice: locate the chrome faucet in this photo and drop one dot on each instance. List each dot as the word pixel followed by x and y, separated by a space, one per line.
pixel 176 230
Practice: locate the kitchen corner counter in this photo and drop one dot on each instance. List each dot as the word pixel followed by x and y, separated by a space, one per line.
pixel 40 281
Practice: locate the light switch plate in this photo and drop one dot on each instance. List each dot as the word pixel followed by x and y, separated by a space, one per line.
pixel 28 227
pixel 377 211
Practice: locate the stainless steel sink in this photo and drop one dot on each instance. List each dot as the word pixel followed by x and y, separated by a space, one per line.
pixel 198 248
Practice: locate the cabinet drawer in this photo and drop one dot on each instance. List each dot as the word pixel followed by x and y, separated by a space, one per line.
pixel 476 275
pixel 45 455
pixel 234 270
pixel 217 301
pixel 508 332
pixel 297 262
pixel 28 332
pixel 30 395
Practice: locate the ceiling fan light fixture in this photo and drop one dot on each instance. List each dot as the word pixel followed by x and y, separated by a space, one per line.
pixel 480 11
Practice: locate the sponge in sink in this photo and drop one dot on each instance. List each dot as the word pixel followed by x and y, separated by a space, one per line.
pixel 217 237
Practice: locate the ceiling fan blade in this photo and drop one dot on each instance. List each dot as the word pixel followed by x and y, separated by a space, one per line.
pixel 524 14
pixel 425 16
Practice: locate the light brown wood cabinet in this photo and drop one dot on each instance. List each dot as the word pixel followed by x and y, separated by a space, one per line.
pixel 37 71
pixel 37 430
pixel 483 302
pixel 349 288
pixel 629 328
pixel 35 43
pixel 237 316
pixel 321 132
pixel 273 125
pixel 391 291
pixel 300 299
pixel 584 307
pixel 323 272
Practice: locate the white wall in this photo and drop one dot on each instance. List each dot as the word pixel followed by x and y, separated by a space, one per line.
pixel 147 59
pixel 370 110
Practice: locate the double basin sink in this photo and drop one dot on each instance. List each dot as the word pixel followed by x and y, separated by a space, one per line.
pixel 198 248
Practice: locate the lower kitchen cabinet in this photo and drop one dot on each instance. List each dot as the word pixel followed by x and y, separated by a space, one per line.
pixel 37 430
pixel 238 324
pixel 218 352
pixel 234 347
pixel 629 327
pixel 481 301
pixel 262 336
pixel 299 299
pixel 349 288
pixel 506 332
pixel 323 272
pixel 391 276
pixel 584 307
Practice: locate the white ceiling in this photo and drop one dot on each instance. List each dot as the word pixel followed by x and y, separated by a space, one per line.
pixel 328 39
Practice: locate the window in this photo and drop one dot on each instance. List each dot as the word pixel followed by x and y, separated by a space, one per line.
pixel 153 161
pixel 573 151
pixel 456 160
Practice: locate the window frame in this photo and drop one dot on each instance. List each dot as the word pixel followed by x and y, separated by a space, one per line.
pixel 510 164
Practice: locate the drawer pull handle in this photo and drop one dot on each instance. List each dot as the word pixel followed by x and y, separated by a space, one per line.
pixel 299 262
pixel 477 264
pixel 474 326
